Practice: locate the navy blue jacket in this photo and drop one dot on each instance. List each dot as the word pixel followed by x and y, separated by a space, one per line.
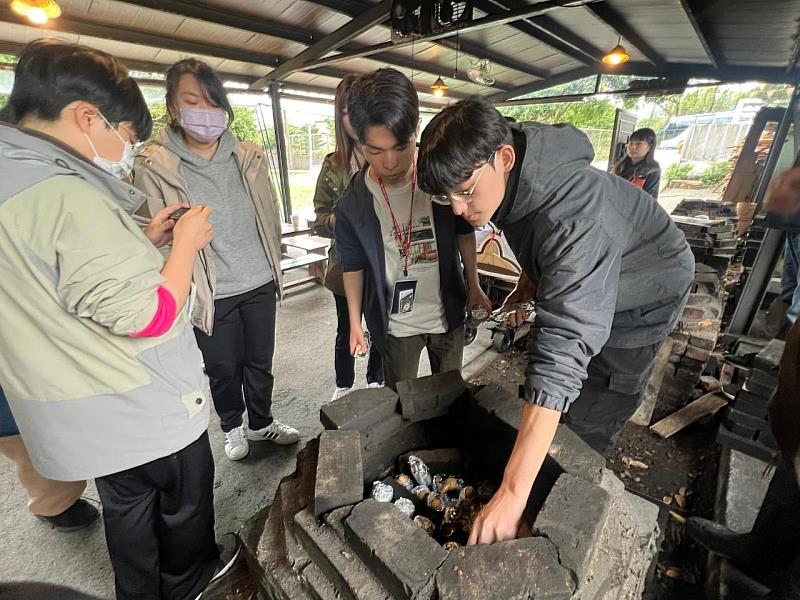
pixel 360 244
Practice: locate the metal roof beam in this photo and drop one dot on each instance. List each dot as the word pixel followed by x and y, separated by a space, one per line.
pixel 556 29
pixel 695 11
pixel 503 18
pixel 330 43
pixel 228 18
pixel 726 74
pixel 498 59
pixel 341 74
pixel 144 38
pixel 535 29
pixel 250 24
pixel 354 7
pixel 613 19
pixel 138 65
pixel 537 86
pixel 678 71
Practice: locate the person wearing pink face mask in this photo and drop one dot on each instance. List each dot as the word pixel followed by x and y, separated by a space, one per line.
pixel 197 160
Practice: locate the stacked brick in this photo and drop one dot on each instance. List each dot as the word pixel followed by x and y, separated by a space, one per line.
pixel 693 342
pixel 752 242
pixel 589 538
pixel 713 209
pixel 746 426
pixel 713 241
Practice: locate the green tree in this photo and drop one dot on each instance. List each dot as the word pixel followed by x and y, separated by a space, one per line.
pixel 159 113
pixel 587 114
pixel 244 125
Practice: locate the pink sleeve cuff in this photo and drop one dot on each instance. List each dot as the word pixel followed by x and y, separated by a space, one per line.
pixel 163 319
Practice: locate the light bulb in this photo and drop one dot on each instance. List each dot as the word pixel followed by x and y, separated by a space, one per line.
pixel 37 15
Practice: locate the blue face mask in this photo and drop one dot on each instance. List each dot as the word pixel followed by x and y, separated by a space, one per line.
pixel 121 168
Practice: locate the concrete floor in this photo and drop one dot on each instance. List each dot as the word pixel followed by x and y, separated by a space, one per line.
pixel 32 552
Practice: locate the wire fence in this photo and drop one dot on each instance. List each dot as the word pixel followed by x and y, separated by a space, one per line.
pixel 308 150
pixel 601 140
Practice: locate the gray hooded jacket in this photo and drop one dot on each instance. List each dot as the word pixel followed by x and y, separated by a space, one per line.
pixel 610 266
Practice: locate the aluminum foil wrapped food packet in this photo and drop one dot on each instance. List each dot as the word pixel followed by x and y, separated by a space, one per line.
pixel 435 502
pixel 382 492
pixel 406 506
pixel 420 491
pixel 419 470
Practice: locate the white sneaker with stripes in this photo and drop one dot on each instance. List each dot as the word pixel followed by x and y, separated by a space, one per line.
pixel 236 446
pixel 275 432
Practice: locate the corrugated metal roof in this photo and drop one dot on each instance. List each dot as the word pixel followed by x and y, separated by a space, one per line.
pixel 729 40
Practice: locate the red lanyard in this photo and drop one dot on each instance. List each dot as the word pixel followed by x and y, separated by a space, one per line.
pixel 404 243
pixel 358 162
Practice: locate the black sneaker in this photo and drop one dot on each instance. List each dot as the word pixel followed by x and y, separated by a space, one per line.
pixel 721 540
pixel 230 547
pixel 78 516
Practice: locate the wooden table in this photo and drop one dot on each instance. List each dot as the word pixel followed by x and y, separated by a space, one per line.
pixel 288 231
pixel 315 258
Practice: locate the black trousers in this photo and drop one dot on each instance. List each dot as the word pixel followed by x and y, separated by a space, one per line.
pixel 775 536
pixel 239 355
pixel 344 363
pixel 159 521
pixel 611 394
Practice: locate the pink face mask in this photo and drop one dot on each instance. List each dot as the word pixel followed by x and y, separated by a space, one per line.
pixel 204 125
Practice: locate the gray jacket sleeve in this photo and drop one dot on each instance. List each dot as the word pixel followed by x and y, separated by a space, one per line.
pixel 579 266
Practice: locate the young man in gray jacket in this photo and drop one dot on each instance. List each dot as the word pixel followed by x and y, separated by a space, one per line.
pixel 607 268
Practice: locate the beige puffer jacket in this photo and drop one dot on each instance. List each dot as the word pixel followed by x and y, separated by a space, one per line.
pixel 157 174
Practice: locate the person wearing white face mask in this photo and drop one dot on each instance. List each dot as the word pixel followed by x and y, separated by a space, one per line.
pixel 118 168
pixel 99 363
pixel 196 159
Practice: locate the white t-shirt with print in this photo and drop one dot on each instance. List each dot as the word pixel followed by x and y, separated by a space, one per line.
pixel 426 314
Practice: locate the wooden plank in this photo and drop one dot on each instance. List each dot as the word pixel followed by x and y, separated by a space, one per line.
pixel 644 414
pixel 298 282
pixel 308 244
pixel 744 174
pixel 301 261
pixel 692 412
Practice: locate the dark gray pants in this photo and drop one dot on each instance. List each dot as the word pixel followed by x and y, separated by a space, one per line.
pixel 401 358
pixel 611 394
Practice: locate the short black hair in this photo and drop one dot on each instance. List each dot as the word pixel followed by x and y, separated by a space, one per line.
pixel 457 141
pixel 385 97
pixel 648 163
pixel 51 74
pixel 209 81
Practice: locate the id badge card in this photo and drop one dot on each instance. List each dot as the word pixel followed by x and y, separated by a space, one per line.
pixel 404 296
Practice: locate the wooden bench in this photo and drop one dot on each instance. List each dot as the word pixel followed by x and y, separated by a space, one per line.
pixel 307 244
pixel 315 259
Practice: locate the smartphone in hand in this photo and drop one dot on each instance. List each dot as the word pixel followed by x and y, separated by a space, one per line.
pixel 176 215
